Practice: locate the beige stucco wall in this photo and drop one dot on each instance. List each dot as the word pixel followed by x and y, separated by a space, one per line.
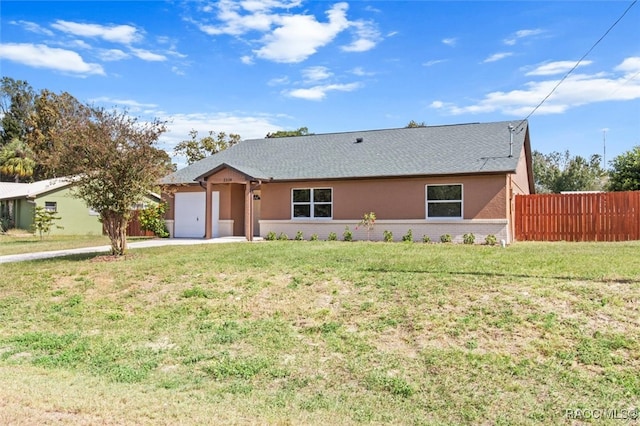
pixel 484 197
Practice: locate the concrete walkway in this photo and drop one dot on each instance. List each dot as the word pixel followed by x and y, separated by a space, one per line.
pixel 158 242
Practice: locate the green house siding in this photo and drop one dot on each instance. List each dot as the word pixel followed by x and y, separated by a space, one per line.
pixel 24 211
pixel 75 216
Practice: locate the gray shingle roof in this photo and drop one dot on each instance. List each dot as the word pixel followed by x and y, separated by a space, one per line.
pixel 432 150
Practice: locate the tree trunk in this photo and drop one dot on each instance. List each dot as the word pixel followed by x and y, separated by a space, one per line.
pixel 116 226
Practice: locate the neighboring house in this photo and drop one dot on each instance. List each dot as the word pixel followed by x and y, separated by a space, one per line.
pixel 434 180
pixel 18 202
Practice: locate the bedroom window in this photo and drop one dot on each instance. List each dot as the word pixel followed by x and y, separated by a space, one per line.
pixel 444 201
pixel 312 203
pixel 51 206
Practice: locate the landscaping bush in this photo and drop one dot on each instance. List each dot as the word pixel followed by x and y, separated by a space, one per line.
pixel 332 236
pixel 387 236
pixel 283 237
pixel 445 238
pixel 347 235
pixel 314 237
pixel 490 240
pixel 408 237
pixel 152 219
pixel 299 236
pixel 468 238
pixel 426 239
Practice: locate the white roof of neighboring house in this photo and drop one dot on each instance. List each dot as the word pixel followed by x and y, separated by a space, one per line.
pixel 10 190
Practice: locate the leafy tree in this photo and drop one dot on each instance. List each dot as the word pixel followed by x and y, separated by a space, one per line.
pixel 16 160
pixel 197 149
pixel 115 163
pixel 557 172
pixel 16 105
pixel 625 171
pixel 413 124
pixel 53 117
pixel 43 221
pixel 302 131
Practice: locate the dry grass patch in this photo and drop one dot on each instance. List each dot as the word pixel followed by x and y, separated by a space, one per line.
pixel 318 333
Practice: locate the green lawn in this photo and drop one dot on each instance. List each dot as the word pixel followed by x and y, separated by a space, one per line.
pixel 17 243
pixel 323 333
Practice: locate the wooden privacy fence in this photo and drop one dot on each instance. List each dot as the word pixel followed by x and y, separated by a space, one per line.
pixel 603 216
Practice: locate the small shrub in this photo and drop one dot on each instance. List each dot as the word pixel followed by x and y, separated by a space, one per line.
pixel 469 238
pixel 408 237
pixel 347 235
pixel 299 236
pixel 387 236
pixel 152 219
pixel 445 238
pixel 283 236
pixel 490 240
pixel 426 239
pixel 314 237
pixel 368 221
pixel 43 221
pixel 271 236
pixel 332 236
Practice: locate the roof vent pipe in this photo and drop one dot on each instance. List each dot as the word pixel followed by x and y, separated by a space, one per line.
pixel 510 141
pixel 359 140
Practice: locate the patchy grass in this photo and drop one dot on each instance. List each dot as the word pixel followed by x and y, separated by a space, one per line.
pixel 16 243
pixel 322 333
pixel 22 242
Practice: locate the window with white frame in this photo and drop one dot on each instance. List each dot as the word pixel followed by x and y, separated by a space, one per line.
pixel 444 201
pixel 312 203
pixel 51 206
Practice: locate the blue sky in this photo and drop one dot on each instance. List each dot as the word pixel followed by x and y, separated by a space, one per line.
pixel 252 67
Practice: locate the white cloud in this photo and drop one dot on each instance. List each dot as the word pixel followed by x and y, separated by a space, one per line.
pixel 41 56
pixel 299 36
pixel 312 74
pixel 247 60
pixel 110 55
pixel 146 55
pixel 287 37
pixel 360 72
pixel 367 37
pixel 576 90
pixel 278 81
pixel 434 62
pixel 234 23
pixel 513 39
pixel 557 67
pixel 177 71
pixel 125 34
pixel 33 27
pixel 318 93
pixel 497 57
pixel 629 65
pixel 450 41
pixel 264 5
pixel 133 105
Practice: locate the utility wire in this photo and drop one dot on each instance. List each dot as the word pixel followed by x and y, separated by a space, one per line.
pixel 575 66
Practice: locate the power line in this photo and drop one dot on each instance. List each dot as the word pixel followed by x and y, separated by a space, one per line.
pixel 576 65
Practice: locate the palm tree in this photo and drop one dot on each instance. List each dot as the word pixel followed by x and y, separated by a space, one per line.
pixel 16 160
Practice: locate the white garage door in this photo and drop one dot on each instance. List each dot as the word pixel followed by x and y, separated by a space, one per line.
pixel 190 214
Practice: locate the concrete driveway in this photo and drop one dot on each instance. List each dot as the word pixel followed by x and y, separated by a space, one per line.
pixel 130 246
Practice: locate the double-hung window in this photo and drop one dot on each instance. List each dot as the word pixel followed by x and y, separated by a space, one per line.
pixel 312 203
pixel 444 201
